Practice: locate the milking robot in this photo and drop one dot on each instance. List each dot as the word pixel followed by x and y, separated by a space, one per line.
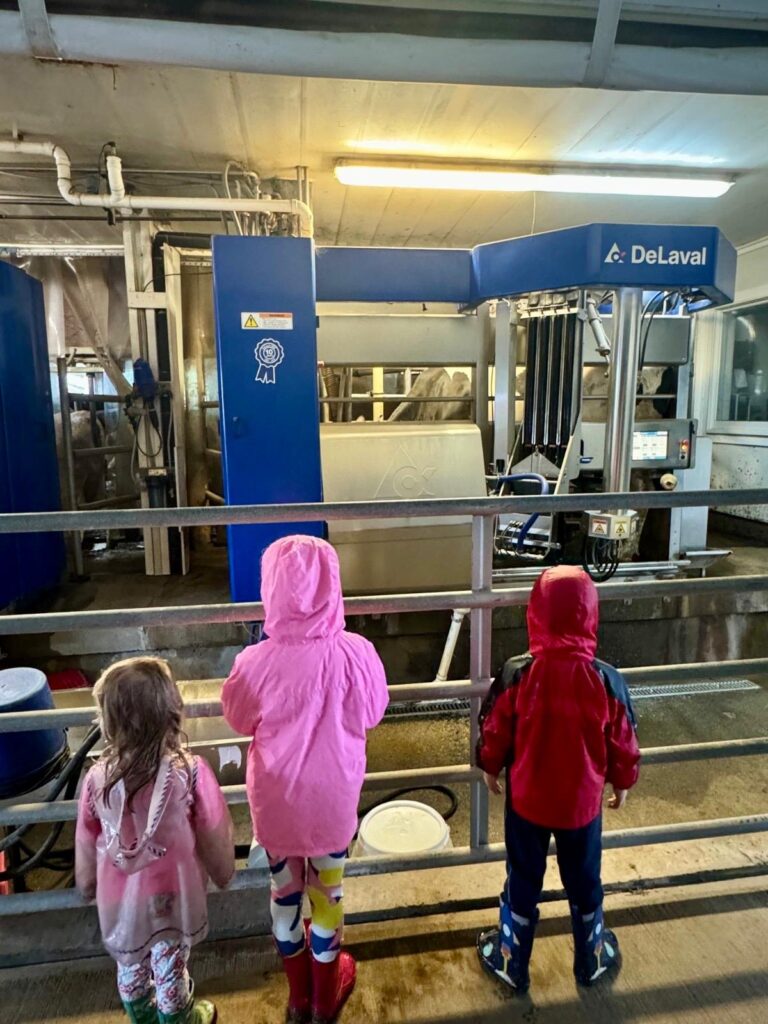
pixel 614 296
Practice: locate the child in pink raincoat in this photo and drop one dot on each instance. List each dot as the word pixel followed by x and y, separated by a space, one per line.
pixel 152 827
pixel 307 694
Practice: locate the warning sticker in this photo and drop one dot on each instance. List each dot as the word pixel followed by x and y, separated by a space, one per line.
pixel 266 321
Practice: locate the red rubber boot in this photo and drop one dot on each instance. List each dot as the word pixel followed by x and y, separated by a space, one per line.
pixel 299 974
pixel 332 985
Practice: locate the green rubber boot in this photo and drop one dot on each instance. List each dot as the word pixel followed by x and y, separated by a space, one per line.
pixel 197 1011
pixel 141 1011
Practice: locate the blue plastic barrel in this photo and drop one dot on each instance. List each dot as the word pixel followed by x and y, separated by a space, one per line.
pixel 27 759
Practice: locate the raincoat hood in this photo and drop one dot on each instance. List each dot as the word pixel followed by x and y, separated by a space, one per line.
pixel 563 613
pixel 301 590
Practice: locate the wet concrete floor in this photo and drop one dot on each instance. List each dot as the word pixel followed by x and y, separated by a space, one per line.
pixel 691 956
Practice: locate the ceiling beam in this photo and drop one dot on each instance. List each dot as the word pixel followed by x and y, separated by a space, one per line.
pixel 37 27
pixel 603 42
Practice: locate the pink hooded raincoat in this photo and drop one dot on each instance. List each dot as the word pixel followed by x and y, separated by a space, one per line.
pixel 148 863
pixel 307 695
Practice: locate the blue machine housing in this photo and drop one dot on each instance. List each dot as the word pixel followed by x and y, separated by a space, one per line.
pixel 265 291
pixel 269 407
pixel 29 474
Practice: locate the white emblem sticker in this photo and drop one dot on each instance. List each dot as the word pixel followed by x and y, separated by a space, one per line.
pixel 269 354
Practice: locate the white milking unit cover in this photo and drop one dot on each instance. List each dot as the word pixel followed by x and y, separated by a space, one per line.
pixel 402 461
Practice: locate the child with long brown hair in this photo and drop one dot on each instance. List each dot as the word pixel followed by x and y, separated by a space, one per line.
pixel 152 827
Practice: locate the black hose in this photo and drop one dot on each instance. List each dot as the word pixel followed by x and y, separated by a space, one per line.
pixel 600 558
pixel 66 782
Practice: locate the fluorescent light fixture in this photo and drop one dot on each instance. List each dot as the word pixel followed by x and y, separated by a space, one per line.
pixel 612 183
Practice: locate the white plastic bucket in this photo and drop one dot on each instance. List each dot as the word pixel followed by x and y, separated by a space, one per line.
pixel 400 828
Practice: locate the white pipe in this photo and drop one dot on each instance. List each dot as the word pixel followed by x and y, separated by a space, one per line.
pixel 451 640
pixel 115 177
pixel 595 321
pixel 118 200
pixel 391 57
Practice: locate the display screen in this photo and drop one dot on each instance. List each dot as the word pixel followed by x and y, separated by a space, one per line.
pixel 650 445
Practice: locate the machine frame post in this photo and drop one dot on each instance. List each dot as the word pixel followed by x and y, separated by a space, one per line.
pixel 481 625
pixel 481 380
pixel 505 358
pixel 139 276
pixel 622 389
pixel 69 489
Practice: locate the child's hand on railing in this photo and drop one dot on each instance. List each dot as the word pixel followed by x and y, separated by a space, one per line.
pixel 493 784
pixel 618 799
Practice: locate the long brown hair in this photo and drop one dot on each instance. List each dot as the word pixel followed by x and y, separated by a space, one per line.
pixel 141 717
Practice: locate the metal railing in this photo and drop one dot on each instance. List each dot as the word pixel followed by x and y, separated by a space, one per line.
pixel 482 599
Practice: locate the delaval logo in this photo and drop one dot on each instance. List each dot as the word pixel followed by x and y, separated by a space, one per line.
pixel 658 255
pixel 615 255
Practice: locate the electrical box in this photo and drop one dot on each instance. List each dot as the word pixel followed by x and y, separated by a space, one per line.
pixel 656 444
pixel 612 525
pixel 29 474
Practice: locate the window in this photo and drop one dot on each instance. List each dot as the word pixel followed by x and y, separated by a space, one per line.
pixel 743 378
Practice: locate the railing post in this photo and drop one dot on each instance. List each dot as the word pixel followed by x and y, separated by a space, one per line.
pixel 479 665
pixel 68 486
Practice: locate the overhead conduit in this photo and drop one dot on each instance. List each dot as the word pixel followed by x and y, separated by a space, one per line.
pixel 117 199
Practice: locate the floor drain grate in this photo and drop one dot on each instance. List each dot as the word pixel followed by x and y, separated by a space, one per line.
pixel 694 689
pixel 451 708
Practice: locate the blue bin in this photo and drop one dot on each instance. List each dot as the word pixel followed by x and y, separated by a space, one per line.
pixel 28 759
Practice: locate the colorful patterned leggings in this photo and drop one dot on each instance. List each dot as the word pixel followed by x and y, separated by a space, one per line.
pixel 166 964
pixel 322 878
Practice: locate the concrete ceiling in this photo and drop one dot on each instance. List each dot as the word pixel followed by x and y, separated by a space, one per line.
pixel 193 120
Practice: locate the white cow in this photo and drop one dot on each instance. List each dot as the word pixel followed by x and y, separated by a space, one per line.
pixel 437 383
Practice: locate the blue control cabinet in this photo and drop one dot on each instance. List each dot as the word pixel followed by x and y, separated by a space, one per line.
pixel 29 475
pixel 264 303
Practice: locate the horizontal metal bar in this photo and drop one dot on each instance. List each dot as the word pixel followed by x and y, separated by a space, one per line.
pixel 119 499
pixel 66 810
pixel 209 404
pixel 503 597
pixel 705 751
pixel 459 689
pixel 115 449
pixel 359 399
pixel 216 452
pixel 64 718
pixel 96 399
pixel 696 670
pixel 251 878
pixel 604 398
pixel 44 522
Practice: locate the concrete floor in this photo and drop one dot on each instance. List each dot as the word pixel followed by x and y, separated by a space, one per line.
pixel 692 956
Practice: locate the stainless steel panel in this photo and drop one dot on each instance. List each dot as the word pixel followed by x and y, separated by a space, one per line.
pixel 406 461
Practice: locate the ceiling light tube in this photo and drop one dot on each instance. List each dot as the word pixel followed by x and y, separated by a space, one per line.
pixel 436 176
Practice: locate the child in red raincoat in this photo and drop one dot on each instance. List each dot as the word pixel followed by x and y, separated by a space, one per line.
pixel 560 724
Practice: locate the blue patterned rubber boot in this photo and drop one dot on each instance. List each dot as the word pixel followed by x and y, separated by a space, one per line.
pixel 596 948
pixel 505 952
